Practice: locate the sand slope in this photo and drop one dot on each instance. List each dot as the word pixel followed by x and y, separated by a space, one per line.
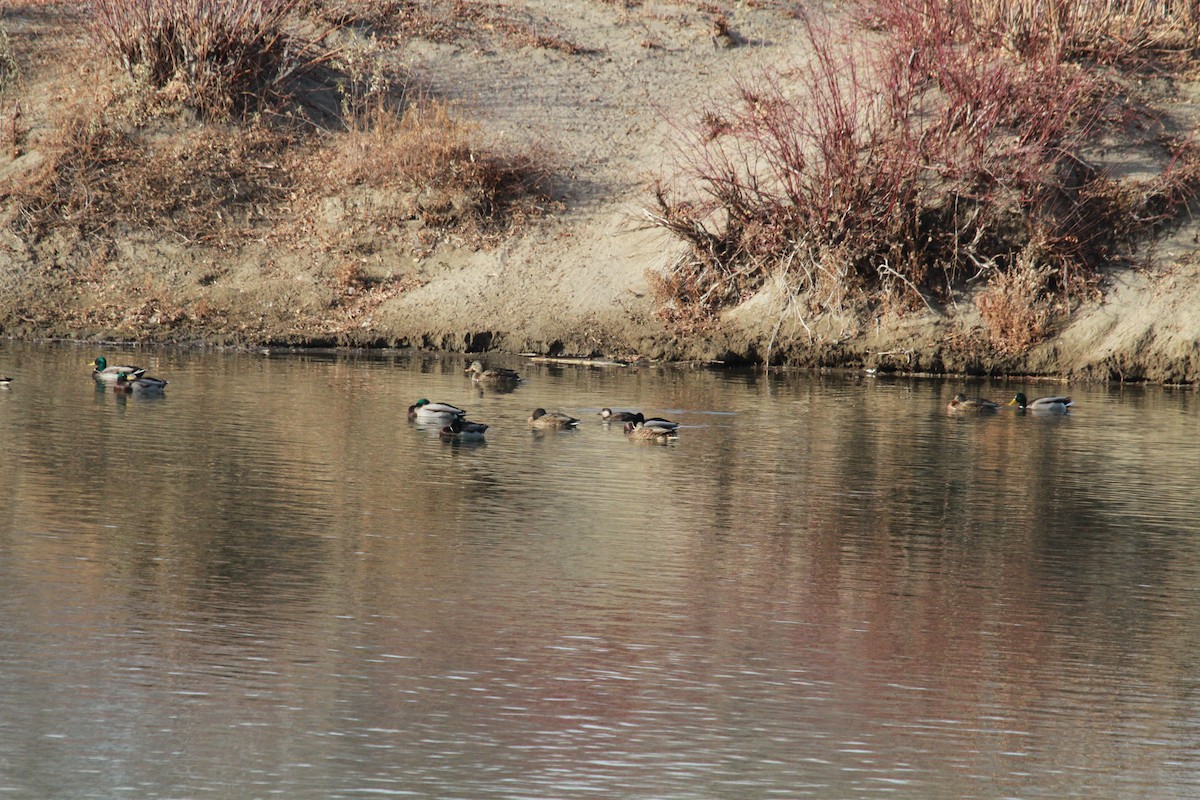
pixel 573 283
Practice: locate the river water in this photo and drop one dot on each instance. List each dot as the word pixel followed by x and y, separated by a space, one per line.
pixel 269 583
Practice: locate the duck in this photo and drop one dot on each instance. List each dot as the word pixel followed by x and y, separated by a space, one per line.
pixel 425 411
pixel 495 375
pixel 974 405
pixel 463 429
pixel 554 420
pixel 608 415
pixel 1043 405
pixel 5 381
pixel 654 422
pixel 127 382
pixel 102 371
pixel 649 433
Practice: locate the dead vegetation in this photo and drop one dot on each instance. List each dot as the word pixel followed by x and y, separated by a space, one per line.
pixel 10 71
pixel 223 58
pixel 947 152
pixel 98 177
pixel 229 123
pixel 204 125
pixel 426 161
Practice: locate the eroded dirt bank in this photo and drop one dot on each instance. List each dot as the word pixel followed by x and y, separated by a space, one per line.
pixel 1145 327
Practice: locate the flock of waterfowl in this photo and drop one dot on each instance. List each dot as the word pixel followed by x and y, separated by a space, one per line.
pixel 454 424
pixel 977 405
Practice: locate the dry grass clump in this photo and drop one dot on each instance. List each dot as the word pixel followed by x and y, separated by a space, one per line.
pixel 893 179
pixel 426 160
pixel 80 155
pixel 230 57
pixel 96 177
pixel 10 70
pixel 116 161
pixel 1130 32
pixel 10 112
pixel 1018 305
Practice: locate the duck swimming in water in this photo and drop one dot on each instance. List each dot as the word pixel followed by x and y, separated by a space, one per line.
pixel 425 411
pixel 554 420
pixel 102 371
pixel 494 376
pixel 1043 405
pixel 131 383
pixel 975 405
pixel 608 415
pixel 464 430
pixel 649 433
pixel 654 422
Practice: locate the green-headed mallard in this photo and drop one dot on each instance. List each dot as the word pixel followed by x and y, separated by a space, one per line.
pixel 649 433
pixel 425 411
pixel 961 404
pixel 608 415
pixel 654 422
pixel 1043 405
pixel 462 429
pixel 101 371
pixel 554 420
pixel 496 375
pixel 127 382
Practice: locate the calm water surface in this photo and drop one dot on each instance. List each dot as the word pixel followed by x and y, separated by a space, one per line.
pixel 268 583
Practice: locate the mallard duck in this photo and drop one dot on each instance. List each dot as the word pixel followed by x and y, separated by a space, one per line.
pixel 554 420
pixel 425 411
pixel 1043 405
pixel 649 433
pixel 495 375
pixel 608 415
pixel 132 383
pixel 975 405
pixel 101 371
pixel 654 422
pixel 460 428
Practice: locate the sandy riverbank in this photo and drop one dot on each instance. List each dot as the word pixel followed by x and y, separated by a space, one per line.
pixel 570 282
